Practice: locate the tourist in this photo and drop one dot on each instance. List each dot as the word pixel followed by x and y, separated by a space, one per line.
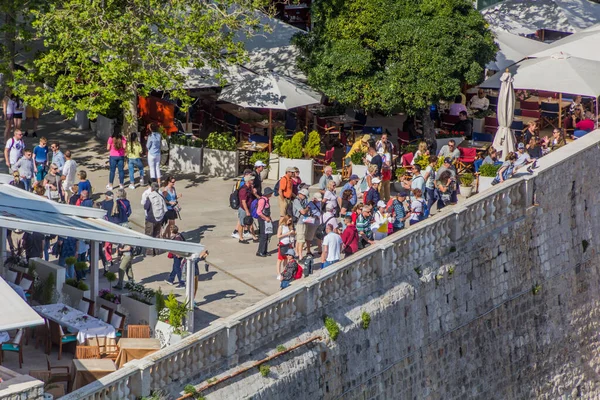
pixel 449 150
pixel 201 257
pixel 245 196
pixel 53 184
pixel 84 183
pixel 400 215
pixel 25 169
pixel 506 170
pixel 556 142
pixel 13 150
pixel 40 158
pixel 585 126
pixel 9 106
pixel 332 246
pixel 534 149
pixel 464 125
pixel 380 221
pixel 523 158
pixel 361 146
pixel 325 179
pixel 350 185
pixel 68 248
pixel 457 107
pixel 417 181
pixel 285 192
pixel 371 197
pixel 172 199
pixel 33 242
pixel 376 159
pixel 363 226
pixel 58 157
pixel 125 251
pixel 290 269
pixel 134 159
pixel 331 198
pixel 418 207
pixel 265 224
pixel 530 131
pixel 286 237
pixel 367 181
pixel 297 182
pixel 123 207
pixel 422 151
pixel 259 166
pixel 116 145
pixel 300 213
pixel 156 209
pixel 429 177
pixel 479 102
pixel 82 250
pixel 447 166
pixel 33 115
pixel 384 143
pixel 349 237
pixel 153 144
pixel 445 185
pixel 386 171
pixel 316 210
pixel 176 269
pixel 356 211
pixel 346 208
pixel 84 200
pixel 69 172
pixel 492 157
pixel 16 181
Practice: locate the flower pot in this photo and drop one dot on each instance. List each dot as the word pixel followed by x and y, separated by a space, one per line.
pixel 466 191
pixel 71 295
pixel 164 333
pixel 485 182
pixel 109 304
pixel 138 313
pixel 337 178
pixel 220 163
pixel 185 158
pixel 305 167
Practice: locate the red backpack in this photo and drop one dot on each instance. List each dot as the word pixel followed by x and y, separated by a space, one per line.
pixel 299 272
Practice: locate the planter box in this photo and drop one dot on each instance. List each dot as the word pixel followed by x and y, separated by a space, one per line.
pixel 101 302
pixel 478 125
pixel 93 126
pixel 359 170
pixel 305 167
pixel 44 268
pixel 444 141
pixel 72 295
pixel 274 167
pixel 138 313
pixel 104 127
pixel 164 333
pixel 485 182
pixel 81 121
pixel 220 163
pixel 185 158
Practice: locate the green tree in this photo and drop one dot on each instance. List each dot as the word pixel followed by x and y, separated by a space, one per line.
pixel 392 55
pixel 100 53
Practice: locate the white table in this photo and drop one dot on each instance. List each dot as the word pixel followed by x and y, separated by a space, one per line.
pixel 76 321
pixel 17 289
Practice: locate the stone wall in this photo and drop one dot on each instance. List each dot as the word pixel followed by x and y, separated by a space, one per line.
pixel 469 326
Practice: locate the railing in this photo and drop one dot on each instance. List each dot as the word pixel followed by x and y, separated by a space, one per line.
pixel 378 266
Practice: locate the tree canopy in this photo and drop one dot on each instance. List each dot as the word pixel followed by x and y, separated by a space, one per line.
pixel 385 55
pixel 103 52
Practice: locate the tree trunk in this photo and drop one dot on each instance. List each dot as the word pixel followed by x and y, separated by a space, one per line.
pixel 428 129
pixel 10 27
pixel 130 114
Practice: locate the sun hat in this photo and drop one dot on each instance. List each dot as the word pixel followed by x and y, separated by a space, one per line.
pixel 303 191
pixel 318 196
pixel 380 203
pixel 376 180
pixel 268 191
pixel 365 138
pixel 260 164
pixel 290 252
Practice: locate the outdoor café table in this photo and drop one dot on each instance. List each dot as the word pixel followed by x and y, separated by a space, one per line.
pixel 245 149
pixel 564 104
pixel 76 321
pixel 479 145
pixel 88 370
pixel 134 349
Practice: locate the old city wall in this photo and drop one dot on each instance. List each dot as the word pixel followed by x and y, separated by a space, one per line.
pixel 498 299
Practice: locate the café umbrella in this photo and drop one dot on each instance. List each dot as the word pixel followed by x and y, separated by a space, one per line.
pixel 504 141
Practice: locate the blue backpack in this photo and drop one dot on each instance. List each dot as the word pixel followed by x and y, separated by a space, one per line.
pixel 425 212
pixel 254 208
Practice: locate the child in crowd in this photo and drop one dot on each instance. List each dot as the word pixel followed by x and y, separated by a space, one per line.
pixel 84 183
pixel 25 168
pixel 40 158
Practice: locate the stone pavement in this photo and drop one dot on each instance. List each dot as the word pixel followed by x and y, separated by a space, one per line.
pixel 236 277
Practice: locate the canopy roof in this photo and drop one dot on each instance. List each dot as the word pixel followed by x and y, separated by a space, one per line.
pixel 208 77
pixel 513 48
pixel 583 44
pixel 270 91
pixel 558 73
pixel 26 211
pixel 16 313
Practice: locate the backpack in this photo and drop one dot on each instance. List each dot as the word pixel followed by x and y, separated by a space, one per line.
pixel 298 273
pixel 425 212
pixel 320 233
pixel 276 188
pixel 254 208
pixel 234 198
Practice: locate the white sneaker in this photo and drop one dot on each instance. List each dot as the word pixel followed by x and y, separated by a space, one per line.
pixel 120 186
pixel 132 186
pixel 235 235
pixel 109 187
pixel 247 235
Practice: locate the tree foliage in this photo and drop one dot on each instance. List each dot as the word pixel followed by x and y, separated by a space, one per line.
pixel 102 52
pixel 387 55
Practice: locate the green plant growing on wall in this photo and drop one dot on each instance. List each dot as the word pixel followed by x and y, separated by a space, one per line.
pixel 535 289
pixel 365 320
pixel 451 271
pixel 292 148
pixel 264 370
pixel 281 348
pixel 260 156
pixel 357 158
pixel 221 141
pixel 313 145
pixel 489 170
pixel 332 327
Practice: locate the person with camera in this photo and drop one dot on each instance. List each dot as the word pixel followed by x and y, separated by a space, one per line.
pixel 451 196
pixel 301 214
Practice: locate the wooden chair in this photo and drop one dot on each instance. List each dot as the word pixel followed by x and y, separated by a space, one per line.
pixel 57 376
pixel 529 105
pixel 42 335
pixel 491 125
pixel 118 321
pixel 549 115
pixel 448 121
pixel 466 159
pixel 324 160
pixel 86 306
pixel 138 331
pixel 107 349
pixel 15 345
pixel 58 336
pixel 87 352
pixel 105 314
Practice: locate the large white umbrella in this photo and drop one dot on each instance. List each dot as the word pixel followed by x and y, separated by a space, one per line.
pixel 16 312
pixel 583 44
pixel 504 141
pixel 512 49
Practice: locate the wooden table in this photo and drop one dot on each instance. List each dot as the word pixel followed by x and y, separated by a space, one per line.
pixel 245 150
pixel 86 371
pixel 540 100
pixel 479 145
pixel 134 349
pixel 240 112
pixel 264 124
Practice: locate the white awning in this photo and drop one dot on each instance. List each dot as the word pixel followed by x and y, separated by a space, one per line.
pixel 582 44
pixel 28 212
pixel 512 49
pixel 16 313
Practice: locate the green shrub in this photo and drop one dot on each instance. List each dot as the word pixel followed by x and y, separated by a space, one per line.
pixel 48 289
pixel 292 148
pixel 366 320
pixel 260 156
pixel 357 158
pixel 160 301
pixel 278 138
pixel 71 282
pixel 264 370
pixel 81 266
pixel 221 141
pixel 334 169
pixel 422 161
pixel 110 277
pixel 190 389
pixel 467 179
pixel 82 286
pixel 332 328
pixel 70 260
pixel 313 145
pixel 489 170
pixel 281 348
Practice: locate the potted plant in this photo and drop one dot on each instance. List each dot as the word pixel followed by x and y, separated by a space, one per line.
pixel 335 174
pixel 466 184
pixel 358 165
pixel 487 173
pixel 220 156
pixel 108 299
pixel 185 154
pixel 296 152
pixel 139 304
pixel 74 291
pixel 264 157
pixel 170 327
pixel 81 266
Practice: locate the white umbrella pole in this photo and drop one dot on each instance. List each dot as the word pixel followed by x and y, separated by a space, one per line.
pixel 560 110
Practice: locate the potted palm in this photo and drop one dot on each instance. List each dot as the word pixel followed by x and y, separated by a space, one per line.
pixel 487 173
pixel 170 327
pixel 220 156
pixel 466 184
pixel 296 152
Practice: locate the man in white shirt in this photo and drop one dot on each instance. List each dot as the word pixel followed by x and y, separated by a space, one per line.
pixel 69 171
pixel 479 102
pixel 332 246
pixel 14 148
